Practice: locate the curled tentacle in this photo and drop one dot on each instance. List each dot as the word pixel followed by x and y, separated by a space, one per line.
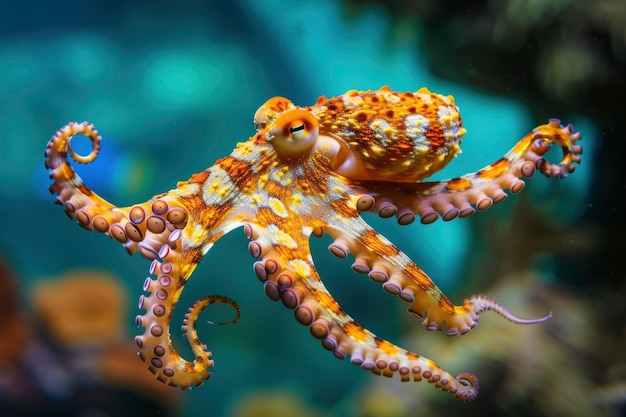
pixel 140 228
pixel 175 250
pixel 155 344
pixel 71 190
pixel 194 311
pixel 290 277
pixel 462 196
pixel 484 303
pixel 189 330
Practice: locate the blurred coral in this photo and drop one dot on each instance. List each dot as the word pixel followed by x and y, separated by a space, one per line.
pixel 573 365
pixel 74 358
pixel 551 369
pixel 85 311
pixel 275 403
pixel 82 308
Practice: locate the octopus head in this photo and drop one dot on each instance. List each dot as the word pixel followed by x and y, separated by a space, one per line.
pixel 390 136
pixel 378 135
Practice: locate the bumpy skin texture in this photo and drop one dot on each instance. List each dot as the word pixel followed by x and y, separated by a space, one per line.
pixel 313 170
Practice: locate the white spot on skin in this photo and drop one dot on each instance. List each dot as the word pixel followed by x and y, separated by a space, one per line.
pixel 347 133
pixel 218 187
pixel 450 122
pixel 390 97
pixel 196 234
pixel 296 201
pixel 282 175
pixel 350 101
pixel 336 189
pixel 426 98
pixel 416 128
pixel 248 152
pixel 300 267
pixel 76 181
pixel 259 200
pixel 384 132
pixel 279 238
pixel 277 207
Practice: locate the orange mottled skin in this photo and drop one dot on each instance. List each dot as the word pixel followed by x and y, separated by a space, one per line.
pixel 312 171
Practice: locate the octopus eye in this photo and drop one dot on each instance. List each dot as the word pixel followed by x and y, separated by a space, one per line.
pixel 293 133
pixel 295 129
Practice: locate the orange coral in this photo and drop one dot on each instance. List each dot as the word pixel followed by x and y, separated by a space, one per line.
pixel 82 308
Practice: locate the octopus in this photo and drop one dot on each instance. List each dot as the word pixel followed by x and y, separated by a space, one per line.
pixel 313 171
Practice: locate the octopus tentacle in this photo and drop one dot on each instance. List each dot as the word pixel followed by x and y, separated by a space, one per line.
pixel 89 209
pixel 384 263
pixel 462 196
pixel 140 228
pixel 177 251
pixel 195 310
pixel 156 344
pixel 157 230
pixel 290 277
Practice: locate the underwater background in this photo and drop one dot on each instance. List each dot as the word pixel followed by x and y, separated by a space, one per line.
pixel 172 86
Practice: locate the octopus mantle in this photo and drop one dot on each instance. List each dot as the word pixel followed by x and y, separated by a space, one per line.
pixel 313 171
